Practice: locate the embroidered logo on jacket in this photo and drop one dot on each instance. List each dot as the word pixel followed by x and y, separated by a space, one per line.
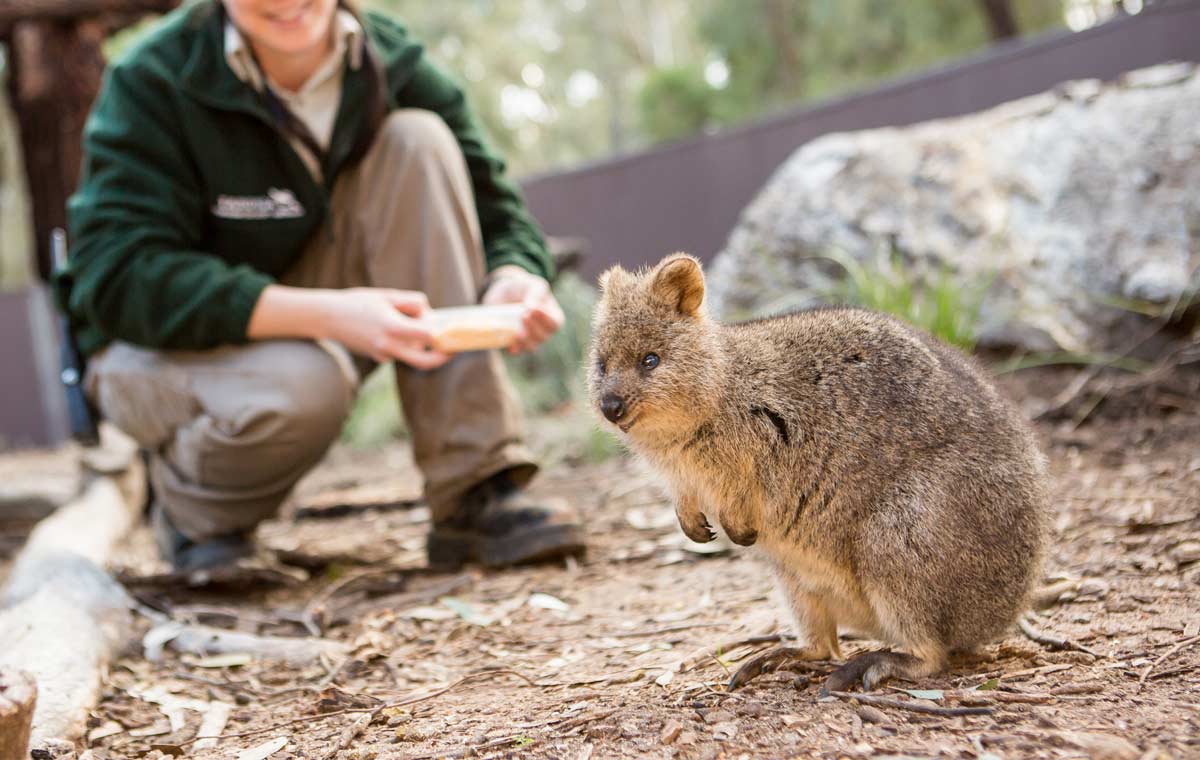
pixel 277 204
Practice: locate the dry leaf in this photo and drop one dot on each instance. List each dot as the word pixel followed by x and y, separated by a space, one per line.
pixel 930 694
pixel 466 611
pixel 264 750
pixel 110 728
pixel 427 613
pixel 546 602
pixel 212 724
pixel 169 705
pixel 1102 746
pixel 723 732
pixel 670 732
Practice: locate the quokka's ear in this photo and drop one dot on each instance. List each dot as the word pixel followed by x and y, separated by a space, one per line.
pixel 679 283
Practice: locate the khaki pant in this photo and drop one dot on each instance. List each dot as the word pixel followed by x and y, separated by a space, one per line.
pixel 230 431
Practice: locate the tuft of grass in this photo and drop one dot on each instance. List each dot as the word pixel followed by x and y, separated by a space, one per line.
pixel 942 304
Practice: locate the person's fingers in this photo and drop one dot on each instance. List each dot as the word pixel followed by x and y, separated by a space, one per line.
pixel 411 302
pixel 405 329
pixel 506 289
pixel 495 294
pixel 544 320
pixel 537 330
pixel 420 358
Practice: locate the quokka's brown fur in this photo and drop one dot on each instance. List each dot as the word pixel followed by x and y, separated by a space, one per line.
pixel 894 491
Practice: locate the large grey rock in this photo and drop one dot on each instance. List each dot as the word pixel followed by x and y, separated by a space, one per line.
pixel 1068 203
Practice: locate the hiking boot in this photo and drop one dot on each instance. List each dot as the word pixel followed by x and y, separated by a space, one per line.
pixel 186 555
pixel 499 525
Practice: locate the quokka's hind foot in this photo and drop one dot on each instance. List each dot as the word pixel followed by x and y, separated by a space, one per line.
pixel 870 669
pixel 774 659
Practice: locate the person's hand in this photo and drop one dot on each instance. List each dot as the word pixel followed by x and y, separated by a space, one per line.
pixel 383 324
pixel 543 315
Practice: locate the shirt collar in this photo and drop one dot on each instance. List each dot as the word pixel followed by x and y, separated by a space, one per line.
pixel 348 34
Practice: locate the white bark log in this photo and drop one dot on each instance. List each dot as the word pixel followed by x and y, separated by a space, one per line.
pixel 61 615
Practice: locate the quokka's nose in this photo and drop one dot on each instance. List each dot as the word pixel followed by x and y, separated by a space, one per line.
pixel 613 407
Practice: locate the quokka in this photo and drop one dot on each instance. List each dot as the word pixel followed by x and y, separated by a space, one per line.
pixel 894 491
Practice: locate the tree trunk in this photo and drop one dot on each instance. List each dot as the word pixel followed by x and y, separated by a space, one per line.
pixel 56 66
pixel 781 20
pixel 18 695
pixel 1002 22
pixel 56 74
pixel 13 11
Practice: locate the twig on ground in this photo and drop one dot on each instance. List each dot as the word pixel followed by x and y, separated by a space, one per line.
pixel 946 712
pixel 350 733
pixel 374 709
pixel 1080 384
pixel 572 724
pixel 397 601
pixel 316 606
pixel 655 631
pixel 695 660
pixel 456 684
pixel 1150 668
pixel 1050 640
pixel 470 750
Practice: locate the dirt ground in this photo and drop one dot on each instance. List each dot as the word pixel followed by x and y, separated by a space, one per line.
pixel 626 653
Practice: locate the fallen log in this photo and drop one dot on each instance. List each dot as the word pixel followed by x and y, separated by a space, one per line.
pixel 61 615
pixel 18 695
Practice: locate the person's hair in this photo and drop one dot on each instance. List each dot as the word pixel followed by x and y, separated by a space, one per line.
pixel 377 94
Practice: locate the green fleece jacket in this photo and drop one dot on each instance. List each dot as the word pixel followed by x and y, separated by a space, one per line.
pixel 191 201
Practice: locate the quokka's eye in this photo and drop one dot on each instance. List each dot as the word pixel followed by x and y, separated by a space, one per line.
pixel 601 366
pixel 650 361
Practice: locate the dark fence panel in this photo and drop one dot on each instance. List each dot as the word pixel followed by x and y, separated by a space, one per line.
pixel 32 407
pixel 688 196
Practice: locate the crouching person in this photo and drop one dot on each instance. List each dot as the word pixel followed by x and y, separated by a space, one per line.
pixel 274 192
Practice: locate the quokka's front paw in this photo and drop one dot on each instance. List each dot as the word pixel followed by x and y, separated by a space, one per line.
pixel 740 535
pixel 695 526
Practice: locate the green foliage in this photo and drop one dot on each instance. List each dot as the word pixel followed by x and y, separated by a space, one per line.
pixel 675 102
pixel 941 304
pixel 375 417
pixel 780 52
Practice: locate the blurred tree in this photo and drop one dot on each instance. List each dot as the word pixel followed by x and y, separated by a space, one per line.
pixel 783 51
pixel 676 102
pixel 561 82
pixel 1001 21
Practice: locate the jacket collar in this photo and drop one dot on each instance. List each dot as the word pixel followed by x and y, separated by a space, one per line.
pixel 346 51
pixel 206 75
